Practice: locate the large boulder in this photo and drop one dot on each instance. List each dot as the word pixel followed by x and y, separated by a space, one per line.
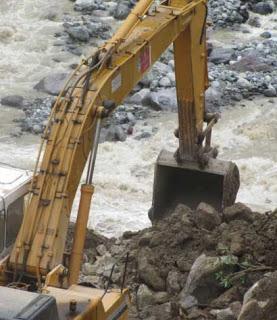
pixel 252 311
pixel 122 11
pixel 238 211
pixel 213 96
pixel 222 55
pixel 173 283
pixel 15 101
pixel 206 216
pixel 102 266
pixel 85 5
pixel 52 84
pixel 263 8
pixel 148 273
pixel 140 97
pixel 202 282
pixel 159 70
pixel 252 63
pixel 164 100
pixel 161 312
pixel 79 33
pixel 260 301
pixel 145 296
pixel 114 133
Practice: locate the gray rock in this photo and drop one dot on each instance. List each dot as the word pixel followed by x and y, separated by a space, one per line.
pixel 102 266
pixel 121 11
pixel 120 135
pixel 173 282
pixel 147 79
pixel 52 84
pixel 143 135
pixel 165 82
pixel 263 8
pixel 252 311
pixel 85 5
pixel 115 133
pixel 213 96
pixel 131 118
pixel 158 312
pixel 160 69
pixel 79 33
pixel 37 129
pixel 148 273
pixel 238 211
pixel 264 288
pixel 226 314
pixel 202 283
pixel 171 63
pixel 101 249
pixel 164 100
pixel 145 296
pixel 270 92
pixel 243 83
pixel 207 217
pixel 172 78
pixel 254 22
pixel 116 250
pixel 187 301
pixel 266 35
pixel 221 55
pixel 98 29
pixel 161 297
pixel 251 62
pixel 13 101
pixel 140 97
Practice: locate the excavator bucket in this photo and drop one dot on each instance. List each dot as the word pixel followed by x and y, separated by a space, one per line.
pixel 188 184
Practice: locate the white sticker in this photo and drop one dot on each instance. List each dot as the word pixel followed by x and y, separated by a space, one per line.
pixel 116 83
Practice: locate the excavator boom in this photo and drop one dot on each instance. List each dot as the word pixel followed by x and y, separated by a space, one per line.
pixel 69 138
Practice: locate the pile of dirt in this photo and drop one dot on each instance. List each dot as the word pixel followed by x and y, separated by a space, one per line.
pixel 193 265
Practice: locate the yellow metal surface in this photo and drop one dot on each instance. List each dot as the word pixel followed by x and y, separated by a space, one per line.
pixel 76 257
pixel 190 66
pixel 68 141
pixel 91 304
pixel 57 277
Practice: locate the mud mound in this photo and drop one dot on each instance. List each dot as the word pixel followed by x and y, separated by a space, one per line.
pixel 191 265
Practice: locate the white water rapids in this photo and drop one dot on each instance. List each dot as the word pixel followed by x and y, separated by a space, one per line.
pixel 246 134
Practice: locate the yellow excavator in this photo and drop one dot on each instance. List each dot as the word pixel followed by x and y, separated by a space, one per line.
pixel 38 280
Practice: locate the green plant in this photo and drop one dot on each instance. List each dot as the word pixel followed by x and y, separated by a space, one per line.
pixel 223 280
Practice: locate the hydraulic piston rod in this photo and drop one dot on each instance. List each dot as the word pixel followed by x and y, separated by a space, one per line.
pixel 87 191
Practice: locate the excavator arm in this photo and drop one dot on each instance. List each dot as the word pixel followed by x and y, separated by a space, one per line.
pixel 68 139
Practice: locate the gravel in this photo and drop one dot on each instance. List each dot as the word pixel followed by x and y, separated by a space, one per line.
pixel 180 269
pixel 237 72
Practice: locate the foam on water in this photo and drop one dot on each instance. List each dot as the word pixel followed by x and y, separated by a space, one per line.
pixel 248 135
pixel 227 37
pixel 27 29
pixel 124 171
